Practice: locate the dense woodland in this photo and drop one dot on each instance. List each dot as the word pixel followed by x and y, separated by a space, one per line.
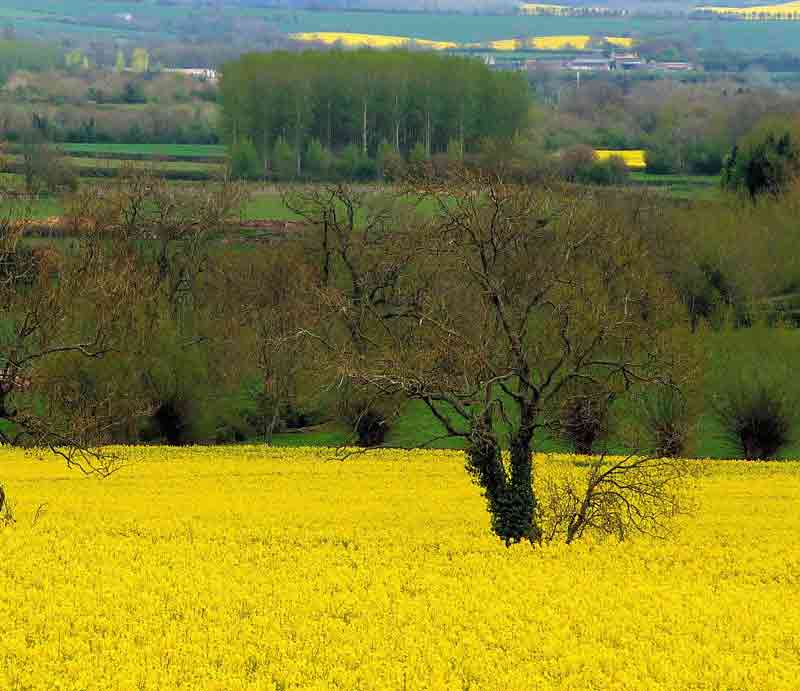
pixel 401 100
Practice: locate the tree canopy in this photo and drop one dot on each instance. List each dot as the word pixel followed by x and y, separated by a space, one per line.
pixel 367 98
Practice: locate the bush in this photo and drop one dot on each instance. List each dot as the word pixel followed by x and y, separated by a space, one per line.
pixel 318 159
pixel 574 161
pixel 245 163
pixel 352 164
pixel 756 418
pixel 44 167
pixel 371 428
pixel 667 422
pixel 584 421
pixel 418 155
pixel 661 160
pixel 751 388
pixel 765 161
pixel 284 160
pixel 612 171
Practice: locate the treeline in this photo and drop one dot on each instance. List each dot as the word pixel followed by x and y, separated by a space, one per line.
pixel 370 101
pixel 26 55
pixel 199 341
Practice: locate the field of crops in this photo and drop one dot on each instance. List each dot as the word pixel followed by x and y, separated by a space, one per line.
pixel 223 568
pixel 780 11
pixel 187 151
pixel 634 159
pixel 369 40
pixel 572 42
pixel 175 162
pixel 96 17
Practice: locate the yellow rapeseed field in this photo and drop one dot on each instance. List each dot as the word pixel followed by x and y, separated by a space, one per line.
pixel 250 568
pixel 634 158
pixel 544 8
pixel 575 42
pixel 369 40
pixel 785 10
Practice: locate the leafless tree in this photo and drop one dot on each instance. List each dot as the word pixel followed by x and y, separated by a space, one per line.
pixel 52 305
pixel 363 244
pixel 510 297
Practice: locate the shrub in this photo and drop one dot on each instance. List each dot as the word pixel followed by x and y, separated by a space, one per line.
pixel 371 428
pixel 612 171
pixel 354 165
pixel 318 159
pixel 765 161
pixel 245 163
pixel 662 160
pixel 584 421
pixel 751 388
pixel 418 154
pixel 574 161
pixel 756 418
pixel 284 160
pixel 667 422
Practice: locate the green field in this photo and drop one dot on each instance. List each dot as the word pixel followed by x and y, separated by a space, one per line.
pixel 158 21
pixel 263 205
pixel 679 186
pixel 415 427
pixel 187 151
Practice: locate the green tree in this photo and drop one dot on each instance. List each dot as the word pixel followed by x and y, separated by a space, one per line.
pixel 318 159
pixel 765 161
pixel 140 60
pixel 284 160
pixel 245 162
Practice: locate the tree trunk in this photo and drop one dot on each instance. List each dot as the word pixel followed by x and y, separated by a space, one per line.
pixel 270 431
pixel 330 139
pixel 510 498
pixel 428 134
pixel 364 130
pixel 397 124
pixel 522 510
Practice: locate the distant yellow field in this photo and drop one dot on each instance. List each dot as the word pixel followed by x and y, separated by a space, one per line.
pixel 542 8
pixel 369 40
pixel 633 158
pixel 576 42
pixel 783 11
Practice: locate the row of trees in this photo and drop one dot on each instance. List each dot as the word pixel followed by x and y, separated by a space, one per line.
pixel 368 98
pixel 493 310
pixel 509 313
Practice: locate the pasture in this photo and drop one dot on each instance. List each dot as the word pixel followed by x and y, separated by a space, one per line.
pixel 259 568
pixel 181 151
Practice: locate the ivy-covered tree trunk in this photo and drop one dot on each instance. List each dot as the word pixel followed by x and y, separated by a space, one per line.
pixel 509 492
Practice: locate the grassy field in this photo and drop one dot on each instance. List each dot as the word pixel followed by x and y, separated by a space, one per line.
pixel 415 427
pixel 106 166
pixel 90 17
pixel 267 204
pixel 188 151
pixel 679 186
pixel 221 568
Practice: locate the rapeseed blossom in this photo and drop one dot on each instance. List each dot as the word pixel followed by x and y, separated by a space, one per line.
pixel 353 40
pixel 369 40
pixel 780 11
pixel 258 568
pixel 634 158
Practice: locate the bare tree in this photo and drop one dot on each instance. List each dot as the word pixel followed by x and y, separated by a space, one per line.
pixel 52 305
pixel 163 237
pixel 362 243
pixel 510 298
